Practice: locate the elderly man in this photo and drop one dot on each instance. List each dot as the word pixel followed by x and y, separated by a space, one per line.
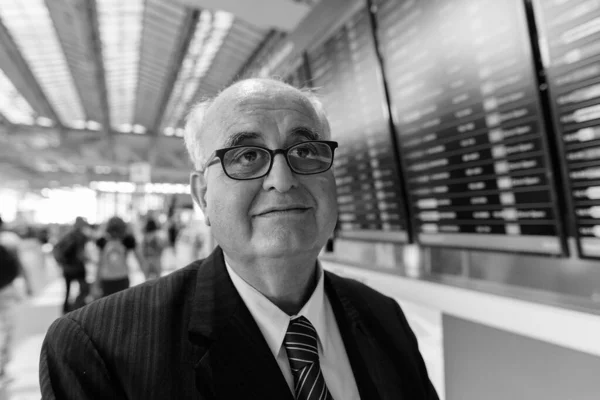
pixel 259 318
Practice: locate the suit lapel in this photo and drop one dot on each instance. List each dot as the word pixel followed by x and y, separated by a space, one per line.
pixel 372 368
pixel 234 360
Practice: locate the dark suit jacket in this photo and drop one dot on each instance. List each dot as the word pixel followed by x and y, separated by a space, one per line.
pixel 190 336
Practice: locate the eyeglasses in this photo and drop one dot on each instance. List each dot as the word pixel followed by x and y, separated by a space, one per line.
pixel 253 162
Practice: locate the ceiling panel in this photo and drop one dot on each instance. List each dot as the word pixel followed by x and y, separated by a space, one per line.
pixel 283 15
pixel 120 25
pixel 210 33
pixel 31 27
pixel 73 21
pixel 229 47
pixel 73 69
pixel 165 31
pixel 13 105
pixel 18 72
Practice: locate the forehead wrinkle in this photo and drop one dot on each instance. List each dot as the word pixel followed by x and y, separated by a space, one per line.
pixel 266 102
pixel 254 108
pixel 223 114
pixel 229 119
pixel 271 99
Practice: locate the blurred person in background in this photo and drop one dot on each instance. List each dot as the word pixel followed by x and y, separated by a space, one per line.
pixel 71 256
pixel 10 269
pixel 172 230
pixel 189 243
pixel 33 258
pixel 112 274
pixel 43 234
pixel 153 245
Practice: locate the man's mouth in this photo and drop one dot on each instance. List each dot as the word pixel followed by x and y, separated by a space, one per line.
pixel 282 211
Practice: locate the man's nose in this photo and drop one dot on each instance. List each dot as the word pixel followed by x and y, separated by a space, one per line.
pixel 281 177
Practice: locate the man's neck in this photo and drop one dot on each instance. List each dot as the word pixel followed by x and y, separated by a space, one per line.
pixel 287 283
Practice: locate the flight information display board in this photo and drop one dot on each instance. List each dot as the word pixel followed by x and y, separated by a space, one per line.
pixel 345 70
pixel 471 134
pixel 570 41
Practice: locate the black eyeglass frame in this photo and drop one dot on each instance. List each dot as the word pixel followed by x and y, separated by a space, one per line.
pixel 220 154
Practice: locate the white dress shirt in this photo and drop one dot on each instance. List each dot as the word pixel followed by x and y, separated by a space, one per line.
pixel 273 323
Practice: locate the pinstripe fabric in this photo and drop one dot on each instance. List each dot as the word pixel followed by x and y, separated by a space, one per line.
pixel 301 346
pixel 189 336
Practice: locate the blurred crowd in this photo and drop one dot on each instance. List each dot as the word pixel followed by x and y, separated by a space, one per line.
pixel 94 260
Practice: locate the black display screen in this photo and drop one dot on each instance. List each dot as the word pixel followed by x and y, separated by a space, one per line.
pixel 570 42
pixel 345 69
pixel 467 112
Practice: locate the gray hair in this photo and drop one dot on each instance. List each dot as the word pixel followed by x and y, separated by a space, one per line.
pixel 194 121
pixel 193 127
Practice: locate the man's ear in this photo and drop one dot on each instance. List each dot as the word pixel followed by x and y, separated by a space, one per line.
pixel 198 189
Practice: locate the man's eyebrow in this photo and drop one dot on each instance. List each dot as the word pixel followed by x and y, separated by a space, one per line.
pixel 306 133
pixel 238 138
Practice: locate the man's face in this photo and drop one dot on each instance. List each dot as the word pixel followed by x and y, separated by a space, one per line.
pixel 282 214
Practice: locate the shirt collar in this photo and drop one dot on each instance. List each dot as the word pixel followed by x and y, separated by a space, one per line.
pixel 272 321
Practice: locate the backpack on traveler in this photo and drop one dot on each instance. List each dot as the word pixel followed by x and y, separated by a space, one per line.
pixel 65 251
pixel 114 260
pixel 152 245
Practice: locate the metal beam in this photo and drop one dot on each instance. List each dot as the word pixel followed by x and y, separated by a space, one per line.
pixel 264 14
pixel 185 37
pixel 4 121
pixel 16 68
pixel 73 23
pixel 96 44
pixel 152 150
pixel 84 134
pixel 260 54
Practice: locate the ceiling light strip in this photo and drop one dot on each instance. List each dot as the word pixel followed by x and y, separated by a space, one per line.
pixel 120 25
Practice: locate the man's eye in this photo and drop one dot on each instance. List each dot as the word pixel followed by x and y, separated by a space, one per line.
pixel 304 151
pixel 247 156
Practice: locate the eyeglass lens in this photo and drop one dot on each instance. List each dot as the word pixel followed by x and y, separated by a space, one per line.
pixel 304 158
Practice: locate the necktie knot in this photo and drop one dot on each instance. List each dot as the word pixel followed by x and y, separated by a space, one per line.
pixel 301 344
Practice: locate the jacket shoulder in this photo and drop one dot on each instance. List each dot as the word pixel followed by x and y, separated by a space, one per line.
pixel 358 291
pixel 365 304
pixel 384 321
pixel 140 307
pixel 121 346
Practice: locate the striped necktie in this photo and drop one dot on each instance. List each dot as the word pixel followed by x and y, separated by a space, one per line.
pixel 301 345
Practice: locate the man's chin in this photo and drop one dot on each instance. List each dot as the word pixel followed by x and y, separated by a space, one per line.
pixel 282 247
